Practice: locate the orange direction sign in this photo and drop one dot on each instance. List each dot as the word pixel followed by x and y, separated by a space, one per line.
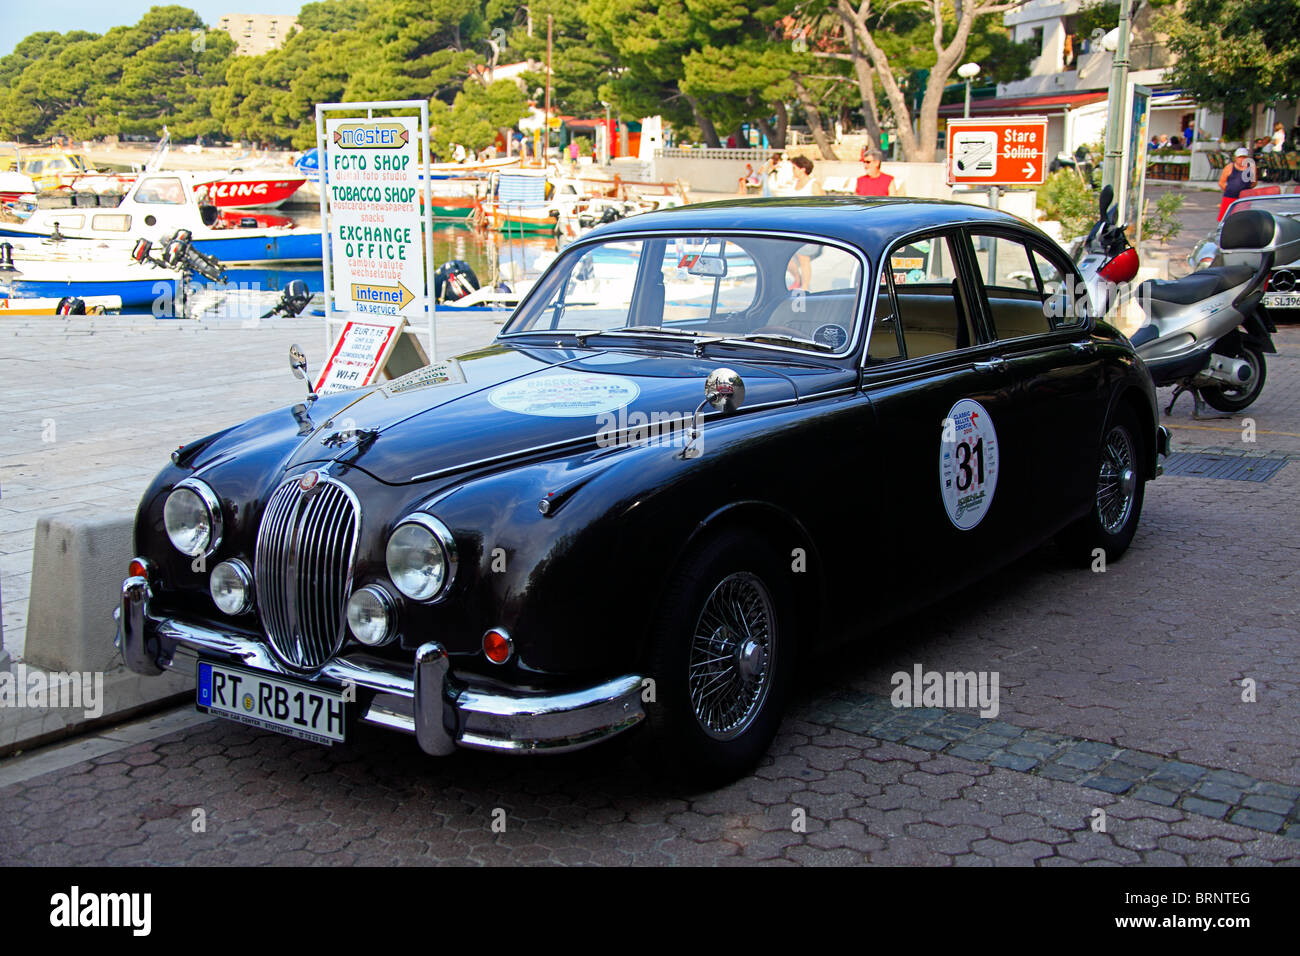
pixel 1000 151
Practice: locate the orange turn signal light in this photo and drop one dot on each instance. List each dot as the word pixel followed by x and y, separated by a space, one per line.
pixel 137 569
pixel 497 646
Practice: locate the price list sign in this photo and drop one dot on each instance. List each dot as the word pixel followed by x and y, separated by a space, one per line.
pixel 373 190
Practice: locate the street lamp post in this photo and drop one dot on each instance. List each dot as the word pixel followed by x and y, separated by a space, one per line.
pixel 1110 168
pixel 968 72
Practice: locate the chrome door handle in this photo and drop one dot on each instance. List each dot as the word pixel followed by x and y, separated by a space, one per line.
pixel 992 365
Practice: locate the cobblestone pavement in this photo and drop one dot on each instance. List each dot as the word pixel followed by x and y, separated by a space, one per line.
pixel 1123 703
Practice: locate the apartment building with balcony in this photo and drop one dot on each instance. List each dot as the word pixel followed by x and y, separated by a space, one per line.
pixel 257 33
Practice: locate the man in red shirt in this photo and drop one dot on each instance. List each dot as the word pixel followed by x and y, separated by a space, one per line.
pixel 876 182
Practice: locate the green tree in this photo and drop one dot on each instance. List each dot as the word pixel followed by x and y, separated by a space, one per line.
pixel 476 115
pixel 1235 55
pixel 878 41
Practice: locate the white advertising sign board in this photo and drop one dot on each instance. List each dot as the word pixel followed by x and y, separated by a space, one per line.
pixel 359 355
pixel 373 190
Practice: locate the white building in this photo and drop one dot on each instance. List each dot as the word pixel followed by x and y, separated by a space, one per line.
pixel 1070 79
pixel 257 33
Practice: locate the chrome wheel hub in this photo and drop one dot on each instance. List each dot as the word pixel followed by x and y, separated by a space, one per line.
pixel 1116 481
pixel 732 651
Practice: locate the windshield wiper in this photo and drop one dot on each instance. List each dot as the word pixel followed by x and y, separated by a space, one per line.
pixel 776 337
pixel 657 330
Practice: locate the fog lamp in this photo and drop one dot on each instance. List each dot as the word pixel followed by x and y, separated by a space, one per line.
pixel 231 585
pixel 372 616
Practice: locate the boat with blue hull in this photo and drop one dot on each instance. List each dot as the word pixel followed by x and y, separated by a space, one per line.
pixel 156 206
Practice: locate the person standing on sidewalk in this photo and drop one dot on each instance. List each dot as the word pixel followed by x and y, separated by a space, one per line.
pixel 874 181
pixel 1238 175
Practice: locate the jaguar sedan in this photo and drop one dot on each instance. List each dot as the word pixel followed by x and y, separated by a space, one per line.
pixel 707 441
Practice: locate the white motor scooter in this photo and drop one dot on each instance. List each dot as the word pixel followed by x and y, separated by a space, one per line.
pixel 1204 333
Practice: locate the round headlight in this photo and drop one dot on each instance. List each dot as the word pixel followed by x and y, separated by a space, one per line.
pixel 421 557
pixel 192 516
pixel 371 616
pixel 231 585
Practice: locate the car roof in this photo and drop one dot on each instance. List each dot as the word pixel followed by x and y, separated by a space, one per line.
pixel 867 222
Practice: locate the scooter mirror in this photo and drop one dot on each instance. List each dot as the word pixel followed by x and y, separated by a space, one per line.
pixel 1107 194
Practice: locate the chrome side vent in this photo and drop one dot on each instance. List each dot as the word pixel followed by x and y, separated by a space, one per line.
pixel 306 546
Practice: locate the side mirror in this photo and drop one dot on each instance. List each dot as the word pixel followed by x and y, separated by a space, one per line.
pixel 1107 194
pixel 724 389
pixel 297 361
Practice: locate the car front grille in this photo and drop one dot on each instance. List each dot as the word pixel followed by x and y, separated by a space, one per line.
pixel 303 570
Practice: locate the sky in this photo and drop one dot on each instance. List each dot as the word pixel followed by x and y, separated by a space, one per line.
pixel 23 17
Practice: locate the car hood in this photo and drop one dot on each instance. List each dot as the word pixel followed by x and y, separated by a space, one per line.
pixel 507 401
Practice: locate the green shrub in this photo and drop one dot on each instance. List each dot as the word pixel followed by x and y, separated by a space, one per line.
pixel 1067 199
pixel 1163 223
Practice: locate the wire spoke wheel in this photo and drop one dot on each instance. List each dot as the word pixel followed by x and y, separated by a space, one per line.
pixel 1117 480
pixel 732 656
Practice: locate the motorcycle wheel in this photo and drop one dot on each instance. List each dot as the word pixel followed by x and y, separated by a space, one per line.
pixel 1227 399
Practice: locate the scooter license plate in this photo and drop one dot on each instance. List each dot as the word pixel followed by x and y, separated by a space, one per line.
pixel 1282 300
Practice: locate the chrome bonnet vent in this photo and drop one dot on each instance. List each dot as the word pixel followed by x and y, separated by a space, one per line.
pixel 303 568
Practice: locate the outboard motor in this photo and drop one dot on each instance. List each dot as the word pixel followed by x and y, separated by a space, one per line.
pixel 454 280
pixel 179 253
pixel 293 300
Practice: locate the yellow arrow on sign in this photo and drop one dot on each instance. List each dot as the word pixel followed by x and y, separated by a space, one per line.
pixel 398 295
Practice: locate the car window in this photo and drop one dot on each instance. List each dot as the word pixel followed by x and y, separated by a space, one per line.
pixel 777 291
pixel 883 345
pixel 690 296
pixel 1011 286
pixel 928 302
pixel 1062 309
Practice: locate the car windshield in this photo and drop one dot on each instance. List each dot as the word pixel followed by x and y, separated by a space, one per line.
pixel 791 293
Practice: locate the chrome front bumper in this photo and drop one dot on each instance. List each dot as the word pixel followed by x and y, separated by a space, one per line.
pixel 424 699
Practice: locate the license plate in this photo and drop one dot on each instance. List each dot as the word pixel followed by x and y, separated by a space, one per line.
pixel 250 697
pixel 1282 300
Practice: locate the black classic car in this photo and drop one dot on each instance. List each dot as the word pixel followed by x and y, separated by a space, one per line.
pixel 707 440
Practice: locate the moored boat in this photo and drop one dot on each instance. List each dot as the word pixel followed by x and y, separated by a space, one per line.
pixel 155 207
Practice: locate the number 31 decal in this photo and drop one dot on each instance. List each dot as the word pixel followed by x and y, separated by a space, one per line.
pixel 968 463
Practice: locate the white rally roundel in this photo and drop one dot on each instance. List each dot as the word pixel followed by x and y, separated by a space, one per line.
pixel 565 394
pixel 968 463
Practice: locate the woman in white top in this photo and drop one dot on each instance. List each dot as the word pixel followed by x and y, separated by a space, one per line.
pixel 804 184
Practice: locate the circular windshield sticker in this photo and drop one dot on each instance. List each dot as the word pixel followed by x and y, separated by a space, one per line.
pixel 565 394
pixel 968 463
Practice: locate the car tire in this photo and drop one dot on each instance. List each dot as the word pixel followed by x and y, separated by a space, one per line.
pixel 721 679
pixel 1112 521
pixel 1234 400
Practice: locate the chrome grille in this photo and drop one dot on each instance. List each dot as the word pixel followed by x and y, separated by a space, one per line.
pixel 303 570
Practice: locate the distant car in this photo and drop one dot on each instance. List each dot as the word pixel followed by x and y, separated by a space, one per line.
pixel 1282 294
pixel 708 439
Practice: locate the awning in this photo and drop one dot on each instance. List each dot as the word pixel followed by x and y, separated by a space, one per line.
pixel 1013 105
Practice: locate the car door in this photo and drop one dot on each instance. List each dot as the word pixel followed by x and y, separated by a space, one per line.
pixel 942 403
pixel 1058 376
